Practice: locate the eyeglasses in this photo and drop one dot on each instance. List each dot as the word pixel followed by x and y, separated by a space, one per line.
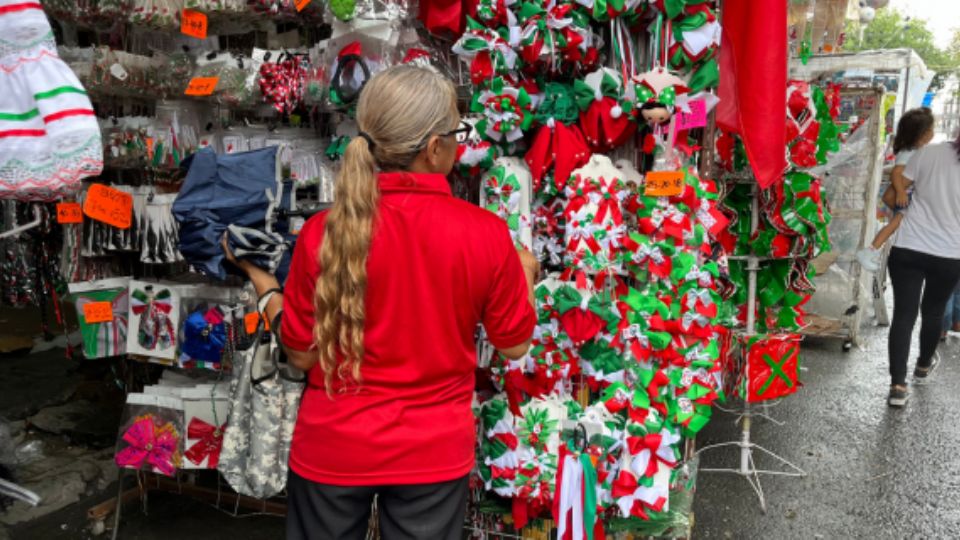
pixel 462 133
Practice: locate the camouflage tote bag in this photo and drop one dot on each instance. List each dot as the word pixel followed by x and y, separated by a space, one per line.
pixel 264 399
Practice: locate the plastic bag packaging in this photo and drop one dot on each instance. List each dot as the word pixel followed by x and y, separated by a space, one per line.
pixel 281 78
pixel 357 11
pixel 102 239
pixel 237 77
pixel 151 434
pixel 218 6
pixel 417 48
pixel 119 73
pixel 327 182
pixel 211 322
pixel 161 14
pixel 159 231
pixel 353 56
pixel 315 77
pixel 87 11
pixel 102 338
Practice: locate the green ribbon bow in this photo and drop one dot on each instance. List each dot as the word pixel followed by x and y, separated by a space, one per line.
pixel 667 96
pixel 585 94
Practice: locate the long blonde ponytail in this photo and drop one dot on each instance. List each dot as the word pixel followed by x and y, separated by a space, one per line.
pixel 398 110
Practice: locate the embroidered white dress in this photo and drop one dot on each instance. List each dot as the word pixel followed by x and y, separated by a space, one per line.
pixel 49 136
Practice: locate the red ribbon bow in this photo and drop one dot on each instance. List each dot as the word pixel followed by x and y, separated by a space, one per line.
pixel 211 440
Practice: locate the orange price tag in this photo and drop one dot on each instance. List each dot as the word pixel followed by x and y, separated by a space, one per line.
pixel 300 4
pixel 193 23
pixel 97 312
pixel 664 183
pixel 250 320
pixel 201 86
pixel 111 206
pixel 69 212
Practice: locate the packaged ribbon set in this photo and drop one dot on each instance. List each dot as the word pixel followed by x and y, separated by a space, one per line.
pixel 680 244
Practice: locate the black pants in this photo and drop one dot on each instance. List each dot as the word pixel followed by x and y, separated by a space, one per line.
pixel 416 511
pixel 921 283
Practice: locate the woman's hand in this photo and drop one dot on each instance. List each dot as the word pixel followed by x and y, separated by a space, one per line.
pixel 530 264
pixel 903 199
pixel 531 270
pixel 246 266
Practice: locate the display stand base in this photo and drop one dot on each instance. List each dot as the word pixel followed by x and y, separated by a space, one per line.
pixel 748 468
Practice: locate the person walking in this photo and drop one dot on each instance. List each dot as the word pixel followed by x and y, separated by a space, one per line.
pixel 924 262
pixel 381 306
pixel 914 131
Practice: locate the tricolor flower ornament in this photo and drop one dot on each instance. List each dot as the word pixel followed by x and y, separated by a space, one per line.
pixel 812 131
pixel 495 13
pixel 693 46
pixel 602 365
pixel 595 228
pixel 605 110
pixel 474 154
pixel 507 112
pixel 649 260
pixel 498 447
pixel 506 191
pixel 491 53
pixel 554 33
pixel 692 408
pixel 651 450
pixel 606 10
pixel 548 231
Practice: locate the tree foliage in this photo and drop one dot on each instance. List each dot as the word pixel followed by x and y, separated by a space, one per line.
pixel 891 29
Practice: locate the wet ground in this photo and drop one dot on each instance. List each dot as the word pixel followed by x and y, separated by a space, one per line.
pixel 873 472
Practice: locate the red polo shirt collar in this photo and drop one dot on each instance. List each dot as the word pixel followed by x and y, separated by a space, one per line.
pixel 405 182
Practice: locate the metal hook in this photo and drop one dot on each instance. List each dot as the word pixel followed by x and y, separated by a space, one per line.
pixel 25 227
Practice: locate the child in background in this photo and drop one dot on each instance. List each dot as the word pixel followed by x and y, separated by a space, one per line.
pixel 951 315
pixel 914 131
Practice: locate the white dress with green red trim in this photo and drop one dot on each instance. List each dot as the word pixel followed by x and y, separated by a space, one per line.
pixel 49 136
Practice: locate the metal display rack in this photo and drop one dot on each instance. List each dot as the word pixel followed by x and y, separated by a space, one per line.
pixel 851 183
pixel 747 467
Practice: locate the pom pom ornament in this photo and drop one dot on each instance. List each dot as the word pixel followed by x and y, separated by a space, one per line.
pixel 556 143
pixel 597 95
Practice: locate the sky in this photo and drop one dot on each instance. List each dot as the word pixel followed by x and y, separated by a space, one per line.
pixel 942 16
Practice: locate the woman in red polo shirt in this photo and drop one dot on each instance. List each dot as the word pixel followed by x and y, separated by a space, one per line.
pixel 383 298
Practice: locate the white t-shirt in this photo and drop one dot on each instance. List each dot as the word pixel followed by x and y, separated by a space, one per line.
pixel 932 223
pixel 903 157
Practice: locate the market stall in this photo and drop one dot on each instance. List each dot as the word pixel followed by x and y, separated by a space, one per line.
pixel 677 253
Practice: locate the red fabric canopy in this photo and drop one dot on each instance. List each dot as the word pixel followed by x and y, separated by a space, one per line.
pixel 753 82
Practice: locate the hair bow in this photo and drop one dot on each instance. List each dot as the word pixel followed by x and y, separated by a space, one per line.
pixel 150 444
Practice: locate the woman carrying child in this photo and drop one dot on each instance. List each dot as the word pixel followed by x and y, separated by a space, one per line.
pixel 914 131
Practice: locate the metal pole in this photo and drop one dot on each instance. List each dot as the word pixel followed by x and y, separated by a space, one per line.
pixel 753 266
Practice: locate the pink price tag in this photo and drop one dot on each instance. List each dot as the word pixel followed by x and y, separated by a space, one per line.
pixel 696 118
